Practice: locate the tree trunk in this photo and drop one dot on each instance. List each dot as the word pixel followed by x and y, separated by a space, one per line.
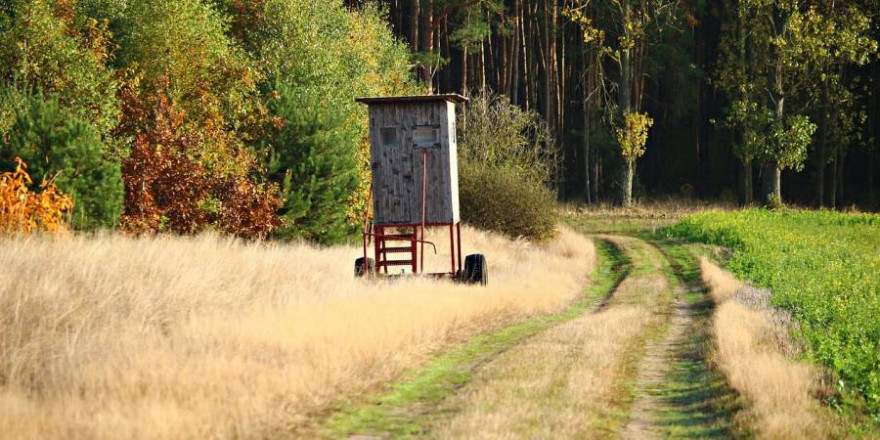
pixel 446 77
pixel 464 71
pixel 820 162
pixel 555 88
pixel 587 127
pixel 587 72
pixel 772 173
pixel 835 176
pixel 772 183
pixel 626 183
pixel 513 81
pixel 746 191
pixel 396 17
pixel 483 67
pixel 597 176
pixel 839 166
pixel 534 33
pixel 490 55
pixel 426 69
pixel 623 102
pixel 414 27
pixel 527 76
pixel 822 149
pixel 549 107
pixel 872 192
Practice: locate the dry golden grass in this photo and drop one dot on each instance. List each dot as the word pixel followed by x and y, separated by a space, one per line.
pixel 722 284
pixel 656 207
pixel 751 355
pixel 559 385
pixel 646 213
pixel 179 338
pixel 570 381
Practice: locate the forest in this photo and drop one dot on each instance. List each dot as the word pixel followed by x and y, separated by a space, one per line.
pixel 239 115
pixel 748 99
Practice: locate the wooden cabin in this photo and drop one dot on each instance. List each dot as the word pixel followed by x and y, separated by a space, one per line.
pixel 404 131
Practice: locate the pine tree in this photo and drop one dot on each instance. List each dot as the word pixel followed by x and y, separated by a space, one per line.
pixel 313 157
pixel 60 146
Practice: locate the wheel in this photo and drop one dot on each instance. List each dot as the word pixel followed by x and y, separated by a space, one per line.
pixel 476 270
pixel 359 270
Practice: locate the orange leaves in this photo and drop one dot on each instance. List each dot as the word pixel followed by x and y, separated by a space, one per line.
pixel 24 211
pixel 167 188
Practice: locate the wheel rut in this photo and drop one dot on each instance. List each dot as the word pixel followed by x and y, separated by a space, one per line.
pixel 677 395
pixel 653 370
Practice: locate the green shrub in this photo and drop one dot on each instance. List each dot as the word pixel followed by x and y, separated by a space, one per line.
pixel 56 142
pixel 501 199
pixel 494 132
pixel 774 203
pixel 506 161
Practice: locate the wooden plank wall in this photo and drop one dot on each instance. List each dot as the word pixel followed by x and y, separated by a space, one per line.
pixel 397 171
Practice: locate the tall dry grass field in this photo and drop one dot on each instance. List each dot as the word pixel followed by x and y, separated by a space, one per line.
pixel 757 356
pixel 206 337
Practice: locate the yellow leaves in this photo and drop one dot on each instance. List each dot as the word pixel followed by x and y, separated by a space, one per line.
pixel 23 211
pixel 633 134
pixel 590 31
pixel 21 170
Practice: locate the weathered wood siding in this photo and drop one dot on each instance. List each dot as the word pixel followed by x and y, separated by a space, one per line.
pixel 397 168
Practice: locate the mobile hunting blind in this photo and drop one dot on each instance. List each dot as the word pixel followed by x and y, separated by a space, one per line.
pixel 414 162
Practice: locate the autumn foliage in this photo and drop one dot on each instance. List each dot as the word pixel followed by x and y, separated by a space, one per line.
pixel 23 211
pixel 168 189
pixel 160 117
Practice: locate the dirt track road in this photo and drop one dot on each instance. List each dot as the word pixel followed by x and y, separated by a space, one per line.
pixel 631 366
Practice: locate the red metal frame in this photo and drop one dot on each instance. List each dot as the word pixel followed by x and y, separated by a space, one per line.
pixel 381 235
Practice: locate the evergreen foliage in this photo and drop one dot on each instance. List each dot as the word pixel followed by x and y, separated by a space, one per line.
pixel 313 157
pixel 124 77
pixel 60 146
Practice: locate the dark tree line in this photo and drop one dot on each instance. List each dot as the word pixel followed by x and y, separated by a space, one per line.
pixel 740 99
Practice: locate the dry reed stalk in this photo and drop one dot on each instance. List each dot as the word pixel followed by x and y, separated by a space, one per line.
pixel 207 337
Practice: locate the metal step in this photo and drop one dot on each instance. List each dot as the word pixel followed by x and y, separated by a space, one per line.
pixel 394 263
pixel 396 250
pixel 389 237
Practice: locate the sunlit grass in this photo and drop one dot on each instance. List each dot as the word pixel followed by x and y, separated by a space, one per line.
pixel 113 337
pixel 751 352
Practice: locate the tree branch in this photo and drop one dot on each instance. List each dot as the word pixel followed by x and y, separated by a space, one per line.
pixel 438 19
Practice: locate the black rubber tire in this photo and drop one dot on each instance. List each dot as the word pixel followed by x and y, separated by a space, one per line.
pixel 359 267
pixel 476 270
pixel 459 276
